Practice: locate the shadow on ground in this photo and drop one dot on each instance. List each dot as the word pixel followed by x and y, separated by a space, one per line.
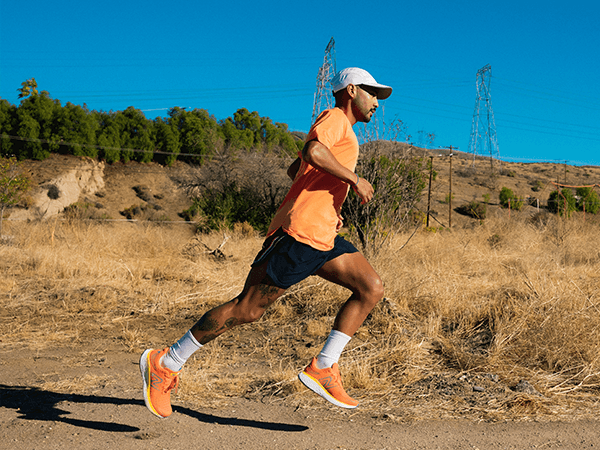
pixel 33 403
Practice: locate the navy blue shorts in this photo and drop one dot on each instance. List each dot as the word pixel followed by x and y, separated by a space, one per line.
pixel 290 261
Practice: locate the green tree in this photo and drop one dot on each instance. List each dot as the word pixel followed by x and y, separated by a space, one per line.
pixel 250 122
pixel 28 88
pixel 234 138
pixel 34 124
pixel 276 135
pixel 167 141
pixel 136 135
pixel 562 202
pixel 31 147
pixel 198 133
pixel 8 115
pixel 108 136
pixel 287 142
pixel 587 200
pixel 75 128
pixel 13 185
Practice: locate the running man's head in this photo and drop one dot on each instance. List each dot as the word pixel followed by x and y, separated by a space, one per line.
pixel 360 88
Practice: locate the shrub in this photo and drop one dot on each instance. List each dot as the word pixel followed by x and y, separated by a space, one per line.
pixel 562 202
pixel 398 181
pixel 229 190
pixel 536 186
pixel 191 213
pixel 224 207
pixel 508 198
pixel 133 211
pixel 145 211
pixel 474 209
pixel 13 185
pixel 83 211
pixel 587 200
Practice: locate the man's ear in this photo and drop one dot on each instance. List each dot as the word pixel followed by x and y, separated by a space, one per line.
pixel 352 90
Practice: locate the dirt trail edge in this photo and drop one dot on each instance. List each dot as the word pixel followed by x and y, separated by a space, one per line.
pixel 113 415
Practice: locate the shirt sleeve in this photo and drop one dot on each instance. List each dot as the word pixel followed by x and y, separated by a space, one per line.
pixel 328 130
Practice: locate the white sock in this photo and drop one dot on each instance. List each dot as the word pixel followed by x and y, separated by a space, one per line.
pixel 332 350
pixel 180 352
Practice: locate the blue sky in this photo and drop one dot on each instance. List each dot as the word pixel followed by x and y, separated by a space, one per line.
pixel 264 56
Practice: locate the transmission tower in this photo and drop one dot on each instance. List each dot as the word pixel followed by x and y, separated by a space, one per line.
pixel 483 131
pixel 323 93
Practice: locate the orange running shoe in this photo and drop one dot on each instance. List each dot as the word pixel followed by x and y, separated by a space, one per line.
pixel 327 383
pixel 158 383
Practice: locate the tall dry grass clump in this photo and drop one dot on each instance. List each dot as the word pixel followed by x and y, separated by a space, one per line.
pixel 514 299
pixel 69 280
pixel 470 315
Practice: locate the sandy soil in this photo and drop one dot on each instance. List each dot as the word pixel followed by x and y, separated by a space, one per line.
pixel 113 415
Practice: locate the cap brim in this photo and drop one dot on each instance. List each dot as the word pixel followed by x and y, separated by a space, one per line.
pixel 383 91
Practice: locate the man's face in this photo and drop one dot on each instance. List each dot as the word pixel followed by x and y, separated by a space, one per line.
pixel 364 103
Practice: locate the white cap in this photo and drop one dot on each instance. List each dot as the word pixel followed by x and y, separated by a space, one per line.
pixel 356 76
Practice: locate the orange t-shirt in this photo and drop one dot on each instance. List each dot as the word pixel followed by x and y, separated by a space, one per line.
pixel 309 212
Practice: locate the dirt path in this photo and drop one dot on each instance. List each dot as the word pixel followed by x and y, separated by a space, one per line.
pixel 113 415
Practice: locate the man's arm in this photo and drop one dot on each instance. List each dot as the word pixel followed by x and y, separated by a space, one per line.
pixel 320 157
pixel 293 169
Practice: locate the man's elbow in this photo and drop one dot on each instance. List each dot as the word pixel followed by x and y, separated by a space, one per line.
pixel 308 151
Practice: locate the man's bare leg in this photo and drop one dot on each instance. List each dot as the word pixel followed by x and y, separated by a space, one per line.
pixel 353 271
pixel 160 368
pixel 258 294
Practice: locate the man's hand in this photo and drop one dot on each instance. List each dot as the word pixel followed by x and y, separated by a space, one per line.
pixel 364 190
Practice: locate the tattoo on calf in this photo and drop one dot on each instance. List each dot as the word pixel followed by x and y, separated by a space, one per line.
pixel 267 289
pixel 206 339
pixel 207 323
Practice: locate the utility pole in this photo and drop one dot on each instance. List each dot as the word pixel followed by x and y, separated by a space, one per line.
pixel 483 130
pixel 450 188
pixel 324 90
pixel 429 193
pixel 450 147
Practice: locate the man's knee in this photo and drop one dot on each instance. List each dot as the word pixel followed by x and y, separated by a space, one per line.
pixel 253 314
pixel 246 312
pixel 249 308
pixel 373 291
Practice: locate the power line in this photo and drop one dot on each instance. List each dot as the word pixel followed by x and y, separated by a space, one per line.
pixel 483 131
pixel 323 92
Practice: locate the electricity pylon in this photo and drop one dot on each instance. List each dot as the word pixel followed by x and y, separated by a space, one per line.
pixel 483 131
pixel 323 93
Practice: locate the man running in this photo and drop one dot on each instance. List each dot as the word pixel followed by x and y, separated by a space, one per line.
pixel 302 240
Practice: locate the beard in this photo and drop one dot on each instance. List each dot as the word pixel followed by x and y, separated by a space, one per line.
pixel 362 113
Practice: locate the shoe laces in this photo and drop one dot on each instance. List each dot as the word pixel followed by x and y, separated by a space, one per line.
pixel 173 385
pixel 336 375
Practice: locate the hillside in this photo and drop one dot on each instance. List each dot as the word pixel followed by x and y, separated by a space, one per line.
pixel 159 192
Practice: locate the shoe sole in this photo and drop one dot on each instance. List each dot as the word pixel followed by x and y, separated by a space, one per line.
pixel 314 385
pixel 145 371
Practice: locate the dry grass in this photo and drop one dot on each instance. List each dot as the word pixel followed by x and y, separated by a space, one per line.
pixel 468 314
